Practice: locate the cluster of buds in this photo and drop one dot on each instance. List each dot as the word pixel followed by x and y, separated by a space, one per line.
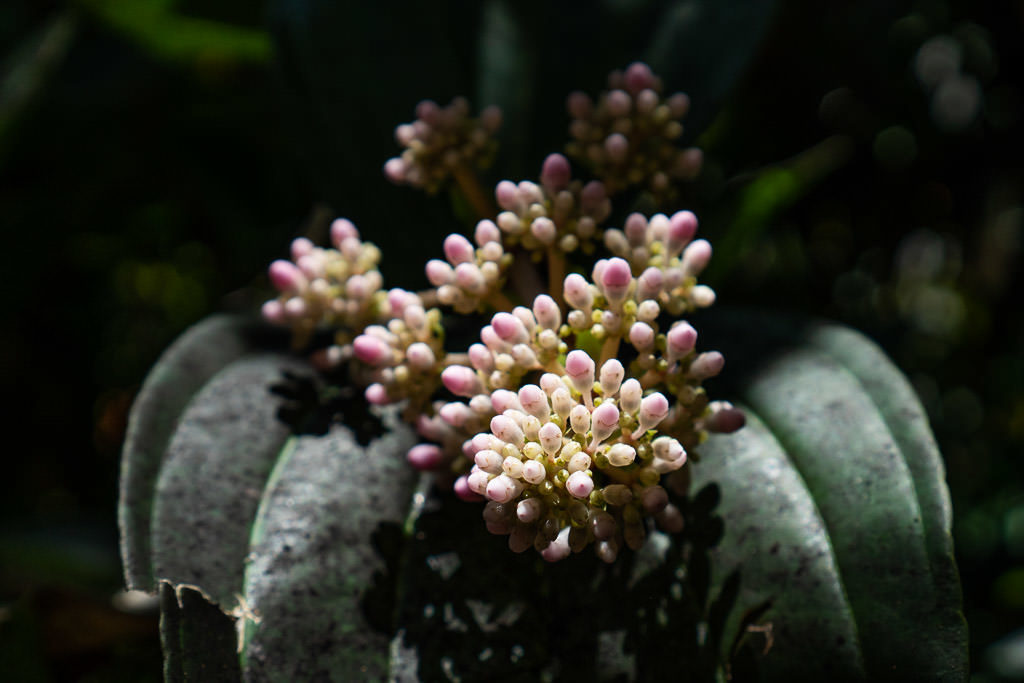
pixel 339 287
pixel 406 355
pixel 573 461
pixel 470 276
pixel 559 212
pixel 627 137
pixel 567 445
pixel 442 142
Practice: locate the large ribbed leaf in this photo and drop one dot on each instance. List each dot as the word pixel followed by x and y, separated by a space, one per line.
pixel 836 542
pixel 835 507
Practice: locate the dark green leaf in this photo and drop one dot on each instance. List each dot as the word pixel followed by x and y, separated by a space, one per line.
pixel 835 507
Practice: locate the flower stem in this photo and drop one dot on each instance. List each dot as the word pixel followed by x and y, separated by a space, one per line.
pixel 609 349
pixel 499 301
pixel 556 274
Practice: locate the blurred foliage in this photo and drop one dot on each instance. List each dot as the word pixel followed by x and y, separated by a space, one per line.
pixel 865 168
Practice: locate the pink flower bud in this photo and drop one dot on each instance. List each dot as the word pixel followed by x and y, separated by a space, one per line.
pixel 301 246
pixel 507 430
pixel 630 394
pixel 424 456
pixel 534 472
pixel 638 77
pixel 457 249
pixel 507 195
pixel 463 491
pixel 670 519
pixel 646 101
pixel 654 499
pixel 481 358
pixel 273 311
pixel 579 484
pixel 525 316
pixel 489 461
pixel 372 350
pixel 593 196
pixel 635 229
pixel 395 170
pixel 469 278
pixel 376 394
pixel 555 173
pixel 286 277
pixel 420 356
pixel 477 481
pixel 455 413
pixel 650 284
pixel 668 449
pixel 604 421
pixel 577 292
pixel 706 365
pixel 696 257
pixel 653 409
pixel 615 280
pixel 681 229
pixel 503 399
pixel 534 401
pixel 579 418
pixel 546 311
pixel 612 373
pixel 621 455
pixel 503 488
pixel 439 273
pixel 559 548
pixel 680 341
pixel 580 368
pixel 724 418
pixel 641 336
pixel 550 438
pixel 619 103
pixel 461 381
pixel 486 231
pixel 617 147
pixel 295 308
pixel 543 228
pixel 678 105
pixel 562 402
pixel 509 328
pixel 529 510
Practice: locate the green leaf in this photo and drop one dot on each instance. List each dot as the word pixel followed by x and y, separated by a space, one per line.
pixel 835 507
pixel 179 373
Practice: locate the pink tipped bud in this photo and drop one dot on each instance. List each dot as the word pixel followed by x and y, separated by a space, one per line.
pixel 678 105
pixel 424 456
pixel 696 257
pixel 457 249
pixel 507 195
pixel 550 438
pixel 615 279
pixel 579 418
pixel 486 231
pixel 646 101
pixel 638 77
pixel 653 409
pixel 301 246
pixel 503 488
pixel 577 292
pixel 371 350
pixel 707 365
pixel 394 170
pixel 376 394
pixel 612 373
pixel 461 381
pixel 650 284
pixel 559 548
pixel 641 336
pixel 681 229
pixel 489 461
pixel 593 196
pixel 680 341
pixel 562 402
pixel 481 358
pixel 580 484
pixel 439 273
pixel 463 491
pixel 555 173
pixel 529 510
pixel 621 455
pixel 509 328
pixel 543 228
pixel 546 311
pixel 635 229
pixel 469 278
pixel 503 399
pixel 617 147
pixel 630 394
pixel 619 103
pixel 604 421
pixel 286 277
pixel 580 368
pixel 534 472
pixel 273 311
pixel 506 429
pixel 341 230
pixel 455 413
pixel 534 401
pixel 420 356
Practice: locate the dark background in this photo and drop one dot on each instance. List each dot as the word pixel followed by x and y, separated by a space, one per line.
pixel 154 157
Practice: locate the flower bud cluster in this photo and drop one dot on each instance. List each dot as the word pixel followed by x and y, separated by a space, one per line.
pixel 513 344
pixel 558 212
pixel 440 142
pixel 340 287
pixel 406 355
pixel 469 276
pixel 575 460
pixel 627 137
